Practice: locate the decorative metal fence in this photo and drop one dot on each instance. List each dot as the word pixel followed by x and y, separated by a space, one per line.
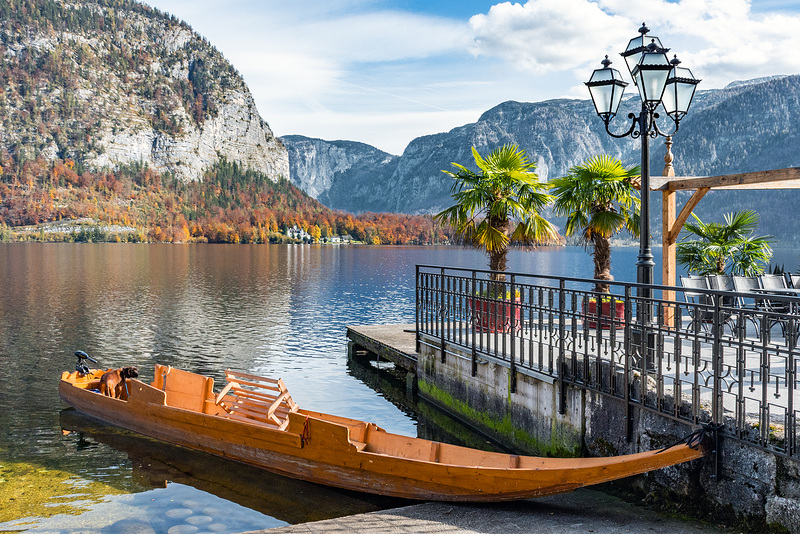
pixel 702 356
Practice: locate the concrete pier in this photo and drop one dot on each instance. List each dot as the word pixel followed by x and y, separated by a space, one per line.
pixel 394 343
pixel 580 511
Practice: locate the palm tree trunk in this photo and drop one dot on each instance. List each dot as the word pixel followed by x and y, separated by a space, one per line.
pixel 602 262
pixel 498 262
pixel 498 258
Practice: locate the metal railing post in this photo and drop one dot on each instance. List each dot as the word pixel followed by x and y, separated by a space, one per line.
pixel 417 303
pixel 441 311
pixel 473 290
pixel 790 433
pixel 716 355
pixel 562 393
pixel 627 367
pixel 512 326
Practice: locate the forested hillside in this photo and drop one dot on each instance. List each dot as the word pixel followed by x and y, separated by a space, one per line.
pixel 53 202
pixel 118 122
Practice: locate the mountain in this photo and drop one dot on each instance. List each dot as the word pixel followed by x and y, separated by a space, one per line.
pixel 106 83
pixel 747 126
pixel 338 173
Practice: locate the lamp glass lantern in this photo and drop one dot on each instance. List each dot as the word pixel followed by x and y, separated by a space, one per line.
pixel 606 87
pixel 650 75
pixel 637 47
pixel 679 91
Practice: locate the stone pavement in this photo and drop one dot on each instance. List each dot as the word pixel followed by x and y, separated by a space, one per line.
pixel 580 511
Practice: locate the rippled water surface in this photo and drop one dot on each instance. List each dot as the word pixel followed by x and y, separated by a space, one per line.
pixel 272 310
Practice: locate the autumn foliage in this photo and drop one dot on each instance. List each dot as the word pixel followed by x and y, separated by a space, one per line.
pixel 230 205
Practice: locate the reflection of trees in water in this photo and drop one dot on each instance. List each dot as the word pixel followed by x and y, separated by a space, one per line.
pixel 155 462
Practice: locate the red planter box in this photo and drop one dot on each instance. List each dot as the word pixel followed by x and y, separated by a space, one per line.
pixel 491 315
pixel 605 317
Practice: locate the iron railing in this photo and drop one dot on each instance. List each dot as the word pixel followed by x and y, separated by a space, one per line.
pixel 717 357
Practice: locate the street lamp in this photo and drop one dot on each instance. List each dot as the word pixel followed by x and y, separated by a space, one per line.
pixel 661 83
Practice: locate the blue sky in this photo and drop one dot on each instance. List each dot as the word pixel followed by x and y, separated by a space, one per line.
pixel 386 71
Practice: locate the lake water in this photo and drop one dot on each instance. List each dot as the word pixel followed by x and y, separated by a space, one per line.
pixel 271 310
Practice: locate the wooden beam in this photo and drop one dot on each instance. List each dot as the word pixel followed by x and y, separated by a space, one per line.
pixel 785 184
pixel 775 179
pixel 680 220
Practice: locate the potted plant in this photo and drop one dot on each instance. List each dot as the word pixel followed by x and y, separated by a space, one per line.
pixel 494 311
pixel 606 315
pixel 599 199
pixel 496 206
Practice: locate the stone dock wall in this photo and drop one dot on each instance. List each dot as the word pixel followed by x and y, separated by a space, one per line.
pixel 742 484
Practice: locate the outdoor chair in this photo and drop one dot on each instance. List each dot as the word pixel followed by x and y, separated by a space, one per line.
pixel 747 305
pixel 724 282
pixel 772 281
pixel 792 280
pixel 777 282
pixel 775 306
pixel 699 305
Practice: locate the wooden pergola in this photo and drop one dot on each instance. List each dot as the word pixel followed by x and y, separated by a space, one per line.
pixel 669 185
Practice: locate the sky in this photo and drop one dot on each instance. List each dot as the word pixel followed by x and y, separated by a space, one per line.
pixel 384 72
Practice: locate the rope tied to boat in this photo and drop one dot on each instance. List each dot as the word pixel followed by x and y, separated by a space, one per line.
pixel 696 438
pixel 304 436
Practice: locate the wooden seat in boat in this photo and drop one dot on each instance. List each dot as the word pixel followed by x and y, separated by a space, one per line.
pixel 185 390
pixel 256 398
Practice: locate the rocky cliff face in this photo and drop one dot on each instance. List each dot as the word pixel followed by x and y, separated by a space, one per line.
pixel 116 82
pixel 339 174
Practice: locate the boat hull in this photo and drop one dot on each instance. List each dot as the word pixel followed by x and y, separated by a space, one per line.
pixel 319 448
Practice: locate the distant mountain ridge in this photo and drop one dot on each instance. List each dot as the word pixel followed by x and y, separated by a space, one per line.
pixel 747 126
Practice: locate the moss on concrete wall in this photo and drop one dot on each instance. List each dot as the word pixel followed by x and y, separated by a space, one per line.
pixel 503 429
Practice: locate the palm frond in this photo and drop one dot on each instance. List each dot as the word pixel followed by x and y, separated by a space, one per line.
pixel 505 192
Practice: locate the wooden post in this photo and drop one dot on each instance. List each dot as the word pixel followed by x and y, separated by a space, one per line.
pixel 671 225
pixel 668 244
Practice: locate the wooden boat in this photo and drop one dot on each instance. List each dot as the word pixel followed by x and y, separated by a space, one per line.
pixel 254 420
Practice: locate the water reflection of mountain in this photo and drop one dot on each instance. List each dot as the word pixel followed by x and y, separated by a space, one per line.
pixel 194 306
pixel 155 462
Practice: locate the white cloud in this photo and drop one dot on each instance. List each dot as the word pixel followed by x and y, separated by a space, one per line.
pixel 547 35
pixel 720 40
pixel 367 71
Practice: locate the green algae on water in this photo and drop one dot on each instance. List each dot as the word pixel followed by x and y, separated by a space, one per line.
pixel 33 491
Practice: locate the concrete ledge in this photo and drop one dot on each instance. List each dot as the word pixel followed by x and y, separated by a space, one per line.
pixel 521 411
pixel 580 511
pixel 394 343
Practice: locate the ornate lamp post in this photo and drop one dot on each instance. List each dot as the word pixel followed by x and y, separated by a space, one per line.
pixel 661 83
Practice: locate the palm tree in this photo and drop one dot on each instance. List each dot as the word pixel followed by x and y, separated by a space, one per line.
pixel 499 205
pixel 599 200
pixel 716 248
